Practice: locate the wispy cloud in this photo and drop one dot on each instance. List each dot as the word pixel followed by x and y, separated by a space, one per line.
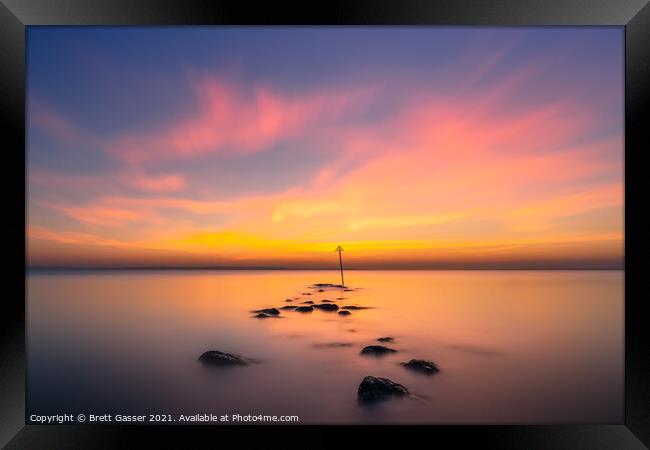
pixel 472 166
pixel 231 118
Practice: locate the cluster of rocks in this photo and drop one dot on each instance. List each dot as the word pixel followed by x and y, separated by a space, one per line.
pixel 308 306
pixel 418 365
pixel 372 388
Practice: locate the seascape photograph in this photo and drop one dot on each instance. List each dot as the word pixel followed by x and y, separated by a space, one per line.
pixel 325 225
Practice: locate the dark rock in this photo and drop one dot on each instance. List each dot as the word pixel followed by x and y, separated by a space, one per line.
pixel 377 350
pixel 269 311
pixel 373 389
pixel 262 316
pixel 217 358
pixel 304 309
pixel 288 300
pixel 348 290
pixel 344 312
pixel 289 307
pixel 308 302
pixel 327 301
pixel 321 290
pixel 352 308
pixel 306 293
pixel 386 339
pixel 421 365
pixel 327 285
pixel 327 307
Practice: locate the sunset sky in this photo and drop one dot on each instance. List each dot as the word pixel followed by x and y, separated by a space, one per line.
pixel 411 147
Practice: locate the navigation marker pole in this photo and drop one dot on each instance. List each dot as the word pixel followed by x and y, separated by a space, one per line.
pixel 340 249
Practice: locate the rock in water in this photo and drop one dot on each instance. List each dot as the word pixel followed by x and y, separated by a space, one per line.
pixel 217 358
pixel 262 316
pixel 333 345
pixel 269 311
pixel 386 339
pixel 327 301
pixel 327 307
pixel 308 302
pixel 289 307
pixel 288 300
pixel 373 389
pixel 377 350
pixel 351 307
pixel 421 365
pixel 344 312
pixel 304 309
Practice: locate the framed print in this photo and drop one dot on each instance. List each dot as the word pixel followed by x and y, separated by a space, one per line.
pixel 398 221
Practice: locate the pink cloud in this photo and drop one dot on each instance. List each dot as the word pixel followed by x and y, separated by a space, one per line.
pixel 119 180
pixel 97 214
pixel 231 119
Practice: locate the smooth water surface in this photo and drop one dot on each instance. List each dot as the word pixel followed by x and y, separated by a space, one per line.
pixel 512 346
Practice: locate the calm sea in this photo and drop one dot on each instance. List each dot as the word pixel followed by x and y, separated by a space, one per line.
pixel 512 346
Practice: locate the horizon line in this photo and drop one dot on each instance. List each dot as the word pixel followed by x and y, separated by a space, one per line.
pixel 281 268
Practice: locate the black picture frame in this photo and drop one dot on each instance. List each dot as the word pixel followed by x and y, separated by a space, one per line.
pixel 15 15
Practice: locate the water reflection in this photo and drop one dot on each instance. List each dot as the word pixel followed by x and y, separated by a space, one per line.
pixel 129 342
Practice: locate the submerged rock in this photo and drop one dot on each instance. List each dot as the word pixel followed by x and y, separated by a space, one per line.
pixel 304 309
pixel 288 300
pixel 288 307
pixel 322 285
pixel 352 307
pixel 386 339
pixel 421 365
pixel 269 311
pixel 217 358
pixel 333 345
pixel 377 350
pixel 321 290
pixel 373 389
pixel 308 302
pixel 262 316
pixel 327 301
pixel 344 312
pixel 327 307
pixel 306 293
